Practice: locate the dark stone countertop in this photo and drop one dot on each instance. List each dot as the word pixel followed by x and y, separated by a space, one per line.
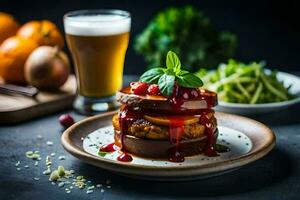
pixel 276 176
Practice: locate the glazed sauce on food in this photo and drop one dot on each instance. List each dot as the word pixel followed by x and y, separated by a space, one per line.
pixel 211 140
pixel 175 155
pixel 127 116
pixel 176 130
pixel 180 95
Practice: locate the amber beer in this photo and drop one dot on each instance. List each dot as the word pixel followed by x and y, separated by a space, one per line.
pixel 99 61
pixel 98 41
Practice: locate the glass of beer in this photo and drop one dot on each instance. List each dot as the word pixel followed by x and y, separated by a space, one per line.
pixel 97 40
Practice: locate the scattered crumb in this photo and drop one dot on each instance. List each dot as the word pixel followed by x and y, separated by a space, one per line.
pixel 61 157
pixel 17 163
pixel 89 191
pixel 47 171
pixel 61 184
pixel 91 187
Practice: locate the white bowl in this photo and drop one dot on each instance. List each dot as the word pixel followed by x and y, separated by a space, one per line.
pixel 250 109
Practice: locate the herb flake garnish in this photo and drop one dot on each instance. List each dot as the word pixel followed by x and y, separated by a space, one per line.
pixel 102 154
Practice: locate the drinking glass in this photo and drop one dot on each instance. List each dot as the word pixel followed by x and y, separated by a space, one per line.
pixel 98 41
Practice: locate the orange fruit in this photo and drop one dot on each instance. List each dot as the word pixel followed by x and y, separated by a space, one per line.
pixel 8 26
pixel 14 52
pixel 167 120
pixel 43 32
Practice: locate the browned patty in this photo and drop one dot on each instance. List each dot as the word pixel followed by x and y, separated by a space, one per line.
pixel 145 129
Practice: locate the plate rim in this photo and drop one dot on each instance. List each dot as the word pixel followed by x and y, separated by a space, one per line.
pixel 209 167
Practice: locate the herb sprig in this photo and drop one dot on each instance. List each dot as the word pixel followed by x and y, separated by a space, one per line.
pixel 166 77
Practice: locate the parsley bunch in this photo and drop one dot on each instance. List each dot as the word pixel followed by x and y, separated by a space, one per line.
pixel 188 32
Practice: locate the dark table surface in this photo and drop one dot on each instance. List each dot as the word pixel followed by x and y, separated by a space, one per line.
pixel 276 176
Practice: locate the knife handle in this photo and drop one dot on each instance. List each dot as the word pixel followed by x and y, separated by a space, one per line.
pixel 16 89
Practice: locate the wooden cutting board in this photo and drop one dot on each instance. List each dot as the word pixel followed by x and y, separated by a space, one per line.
pixel 15 108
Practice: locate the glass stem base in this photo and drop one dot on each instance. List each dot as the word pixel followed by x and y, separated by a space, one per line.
pixel 95 105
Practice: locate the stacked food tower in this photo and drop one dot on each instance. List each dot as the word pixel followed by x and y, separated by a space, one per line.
pixel 166 114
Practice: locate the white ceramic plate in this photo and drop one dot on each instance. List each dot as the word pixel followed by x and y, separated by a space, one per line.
pixel 248 140
pixel 246 109
pixel 238 142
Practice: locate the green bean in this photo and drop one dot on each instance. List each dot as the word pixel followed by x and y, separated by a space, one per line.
pixel 246 79
pixel 251 87
pixel 228 79
pixel 237 82
pixel 243 90
pixel 236 95
pixel 272 89
pixel 256 94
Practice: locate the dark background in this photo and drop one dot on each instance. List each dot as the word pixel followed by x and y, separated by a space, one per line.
pixel 267 30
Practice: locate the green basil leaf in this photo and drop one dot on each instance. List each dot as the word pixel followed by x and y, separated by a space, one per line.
pixel 166 84
pixel 182 72
pixel 151 76
pixel 169 71
pixel 189 80
pixel 173 62
pixel 102 154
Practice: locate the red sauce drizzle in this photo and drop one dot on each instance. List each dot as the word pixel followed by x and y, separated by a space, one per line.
pixel 126 117
pixel 181 94
pixel 108 148
pixel 178 97
pixel 176 130
pixel 211 140
pixel 124 157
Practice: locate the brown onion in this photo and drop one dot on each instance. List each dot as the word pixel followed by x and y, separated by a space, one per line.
pixel 47 68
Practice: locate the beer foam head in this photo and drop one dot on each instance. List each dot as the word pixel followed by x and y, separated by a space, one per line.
pixel 96 25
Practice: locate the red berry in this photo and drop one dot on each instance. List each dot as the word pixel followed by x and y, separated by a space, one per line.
pixel 153 89
pixel 139 88
pixel 66 120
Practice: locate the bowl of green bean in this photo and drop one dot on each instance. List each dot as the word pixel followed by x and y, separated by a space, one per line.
pixel 251 88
